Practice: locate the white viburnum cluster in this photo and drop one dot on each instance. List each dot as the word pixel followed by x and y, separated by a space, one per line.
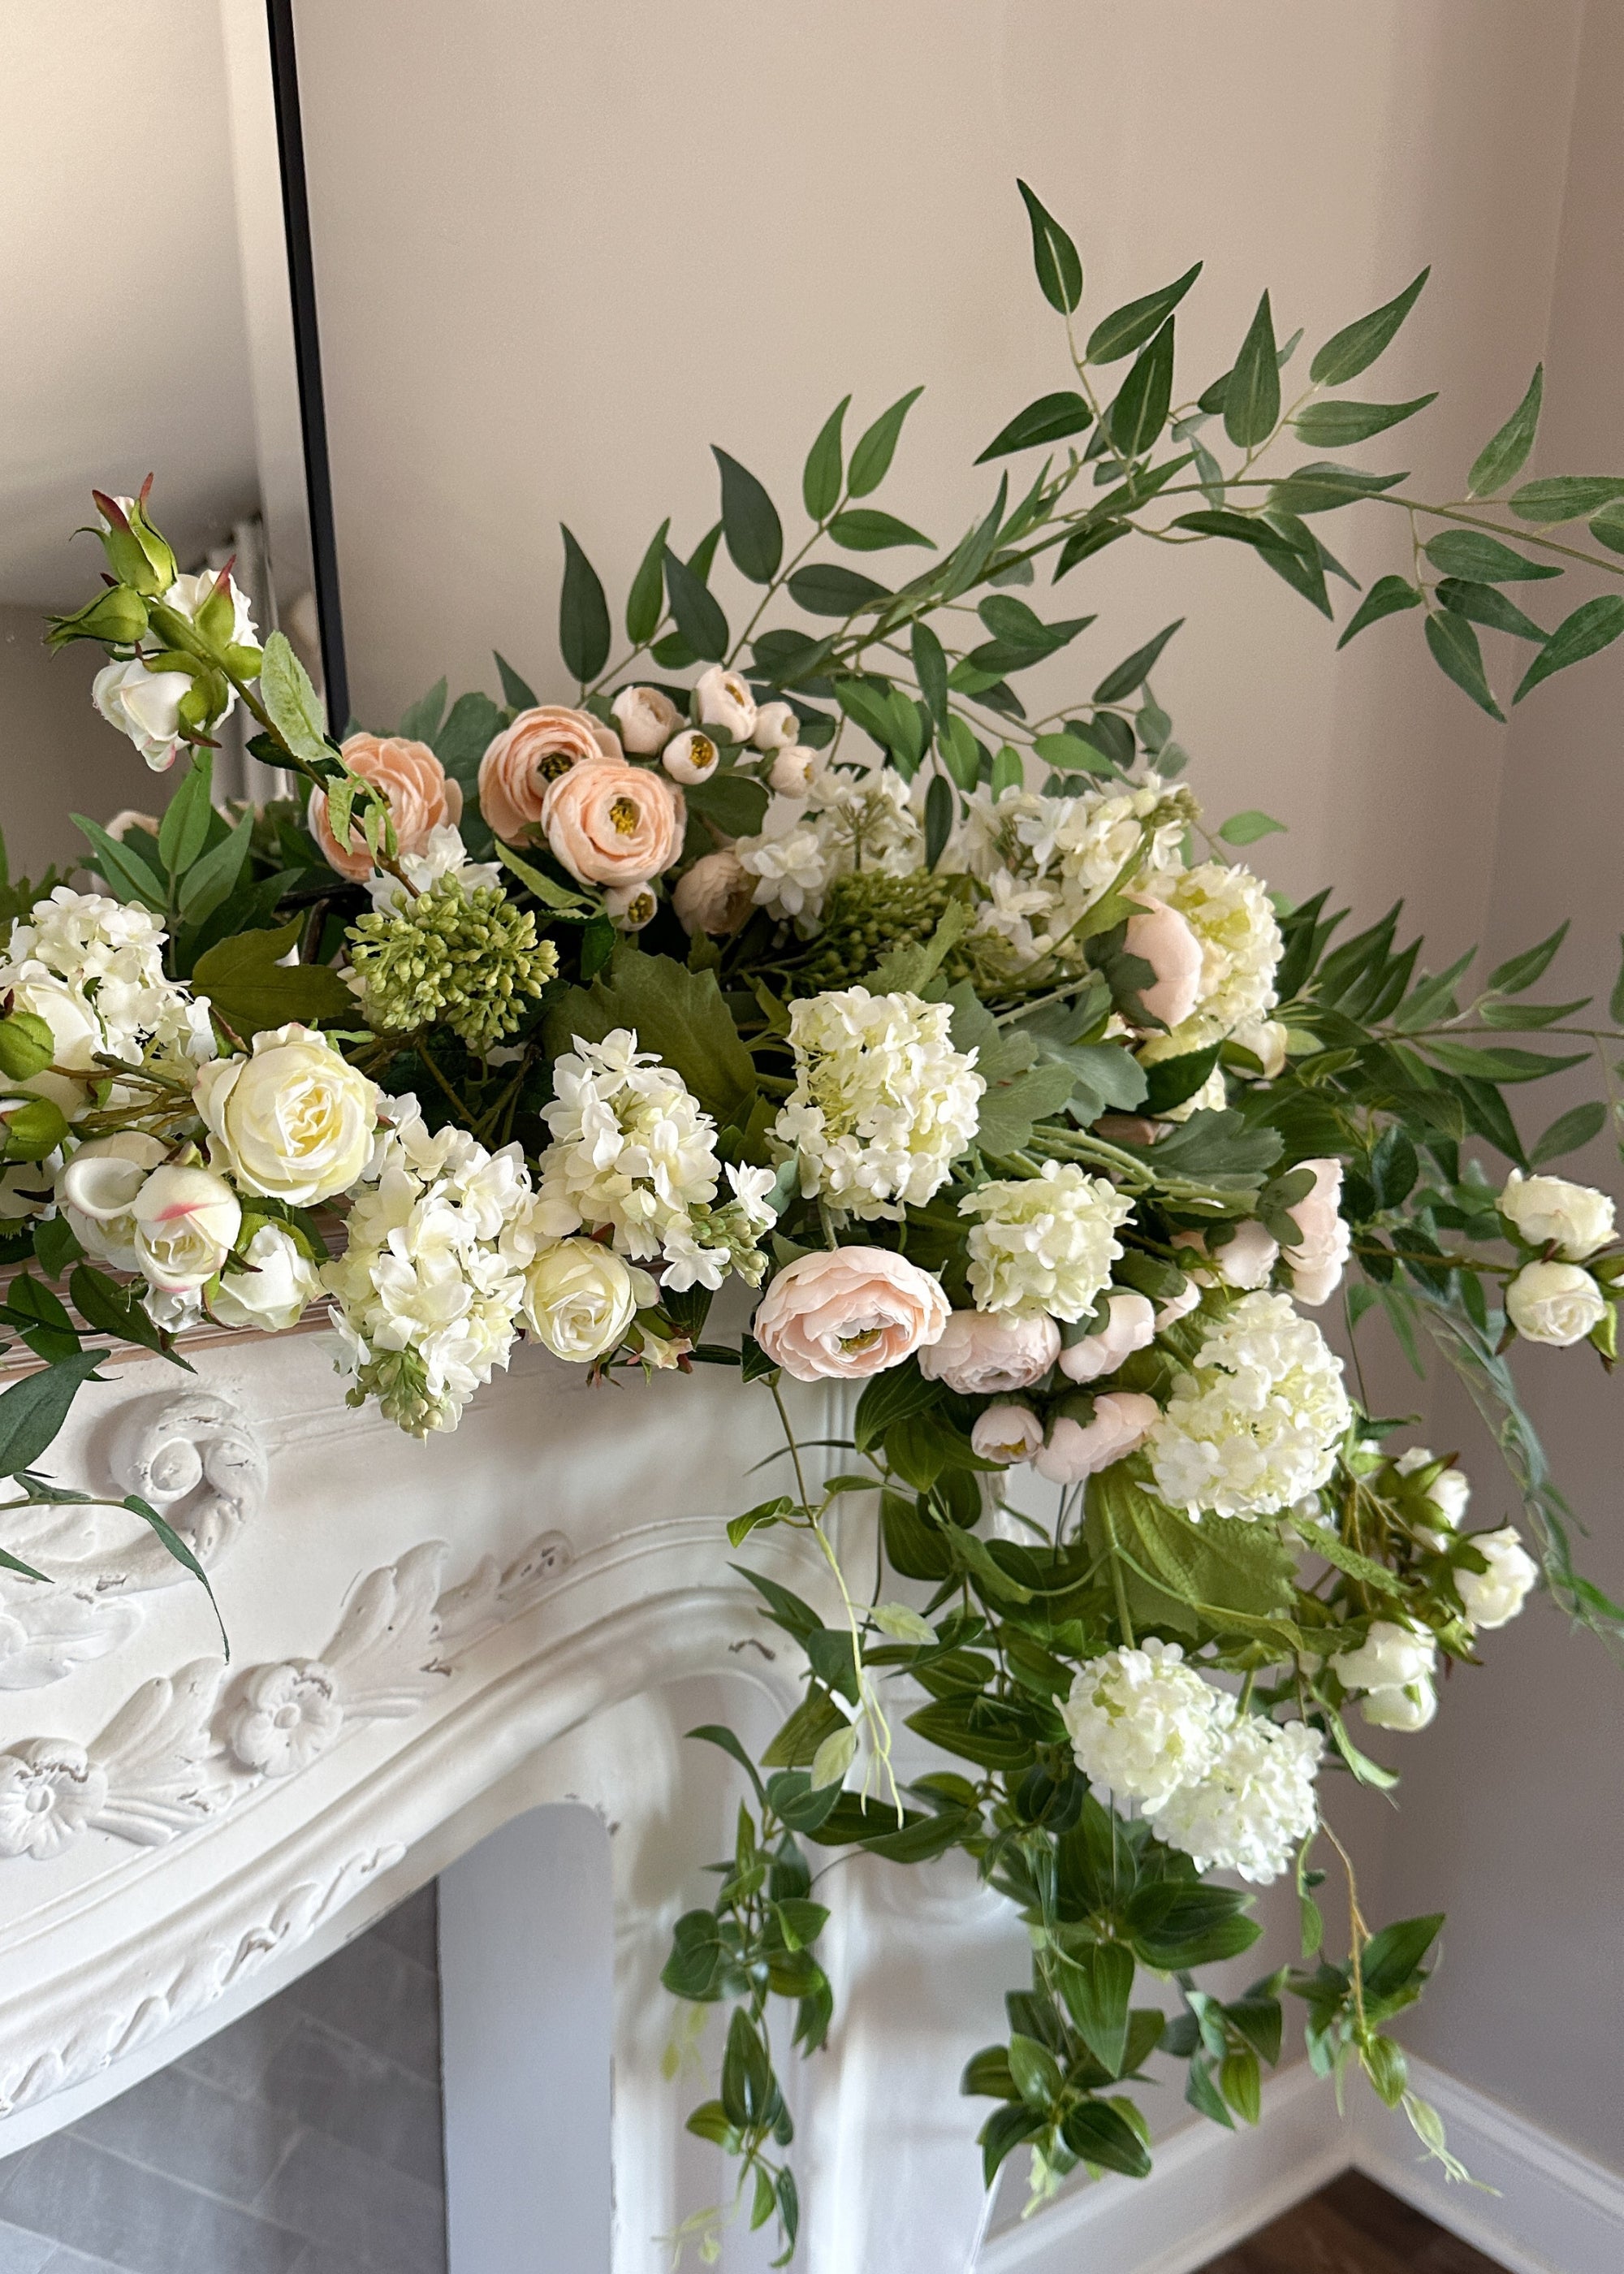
pixel 92 968
pixel 1229 911
pixel 846 822
pixel 1256 1424
pixel 882 1103
pixel 1254 1806
pixel 633 1153
pixel 1044 1243
pixel 1142 1722
pixel 428 1293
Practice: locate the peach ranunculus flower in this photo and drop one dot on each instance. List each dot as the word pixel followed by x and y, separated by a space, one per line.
pixel 525 759
pixel 613 823
pixel 981 1354
pixel 848 1313
pixel 715 895
pixel 422 798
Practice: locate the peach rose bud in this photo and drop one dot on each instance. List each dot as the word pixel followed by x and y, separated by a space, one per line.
pixel 630 907
pixel 776 727
pixel 1318 1260
pixel 1159 935
pixel 1006 1433
pixel 647 719
pixel 715 895
pixel 982 1353
pixel 1131 1325
pixel 422 798
pixel 525 759
pixel 847 1314
pixel 1123 1418
pixel 613 824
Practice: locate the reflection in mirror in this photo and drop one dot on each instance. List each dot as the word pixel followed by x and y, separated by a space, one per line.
pixel 145 270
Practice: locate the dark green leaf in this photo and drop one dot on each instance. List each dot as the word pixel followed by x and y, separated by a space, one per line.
pixel 941 811
pixel 420 720
pixel 1519 971
pixel 186 818
pixel 115 1309
pixel 696 1955
pixel 1034 2072
pixel 1565 497
pixel 1486 603
pixel 1325 486
pixel 930 669
pixel 890 1397
pixel 39 1318
pixel 865 529
pixel 245 980
pixel 55 1245
pixel 1050 419
pixel 516 693
pixel 211 881
pixel 1240 528
pixel 1083 543
pixel 1593 626
pixel 1387 596
pixel 1335 425
pixel 736 802
pixel 1097 1985
pixel 1497 1062
pixel 1391 1958
pixel 820 483
pixel 1607 528
pixel 583 615
pixel 1508 453
pixel 1573 1129
pixel 698 615
pixel 1139 412
pixel 126 874
pixel 750 521
pixel 1355 348
pixel 747 2071
pixel 645 602
pixel 1129 326
pixel 1472 554
pixel 825 589
pixel 177 1546
pixel 1459 657
pixel 33 1409
pixel 872 457
pixel 1252 399
pixel 1097 2134
pixel 1054 256
pixel 714 1732
pixel 1136 670
pixel 1004 2130
pixel 679 1014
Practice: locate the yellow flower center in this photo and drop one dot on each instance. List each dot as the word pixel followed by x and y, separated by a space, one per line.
pixel 626 815
pixel 553 764
pixel 864 1340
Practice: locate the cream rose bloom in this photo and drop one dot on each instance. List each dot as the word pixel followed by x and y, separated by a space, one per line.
pixel 144 705
pixel 725 701
pixel 1319 1259
pixel 982 1353
pixel 1554 1303
pixel 1006 1433
pixel 691 757
pixel 422 798
pixel 715 895
pixel 579 1299
pixel 186 1220
pixel 1131 1325
pixel 1159 935
pixel 96 1191
pixel 524 760
pixel 275 1291
pixel 293 1121
pixel 1493 1596
pixel 849 1313
pixel 1548 1211
pixel 1123 1418
pixel 613 824
pixel 647 719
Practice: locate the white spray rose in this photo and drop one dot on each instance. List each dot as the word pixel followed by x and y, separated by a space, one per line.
pixel 1130 1327
pixel 1554 1303
pixel 144 705
pixel 725 701
pixel 1447 1493
pixel 579 1299
pixel 690 756
pixel 1320 1255
pixel 775 726
pixel 1266 1039
pixel 1410 1708
pixel 1548 1211
pixel 1245 1260
pixel 1391 1657
pixel 647 719
pixel 980 1353
pixel 295 1120
pixel 96 1191
pixel 186 1220
pixel 275 1291
pixel 1498 1594
pixel 1006 1433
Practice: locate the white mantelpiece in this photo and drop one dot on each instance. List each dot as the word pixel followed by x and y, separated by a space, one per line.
pixel 427 1641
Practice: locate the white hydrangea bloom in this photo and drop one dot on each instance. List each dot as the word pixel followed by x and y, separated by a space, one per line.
pixel 883 1104
pixel 1229 911
pixel 1143 1722
pixel 846 822
pixel 1257 1423
pixel 92 968
pixel 1249 1811
pixel 1044 1243
pixel 438 1237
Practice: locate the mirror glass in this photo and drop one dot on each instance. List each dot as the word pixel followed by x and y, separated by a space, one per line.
pixel 145 272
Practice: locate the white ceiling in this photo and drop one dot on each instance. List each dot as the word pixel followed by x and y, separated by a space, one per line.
pixel 120 283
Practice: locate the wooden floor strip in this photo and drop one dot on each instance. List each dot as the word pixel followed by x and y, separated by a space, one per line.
pixel 1352 2226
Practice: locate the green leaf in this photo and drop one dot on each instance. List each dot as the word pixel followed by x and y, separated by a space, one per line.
pixel 1507 454
pixel 1136 670
pixel 1240 528
pixel 420 721
pixel 33 1409
pixel 820 482
pixel 1003 2131
pixel 516 694
pixel 1096 2133
pixel 1459 657
pixel 1573 1129
pixel 1481 559
pixel 871 459
pixel 1097 1985
pixel 645 602
pixel 1054 256
pixel 698 615
pixel 1335 425
pixel 113 1307
pixel 125 873
pixel 930 669
pixel 55 1245
pixel 1246 828
pixel 1565 497
pixel 1486 603
pixel 184 826
pixel 1496 1062
pixel 1593 626
pixel 891 1396
pixel 747 2071
pixel 1129 326
pixel 182 1555
pixel 678 1012
pixel 823 588
pixel 865 529
pixel 1139 412
pixel 1009 1112
pixel 293 706
pixel 39 1318
pixel 1324 486
pixel 211 881
pixel 1356 346
pixel 796 1743
pixel 696 1955
pixel 1035 2072
pixel 1519 971
pixel 536 881
pixel 1607 528
pixel 583 615
pixel 243 977
pixel 941 811
pixel 1385 597
pixel 1050 419
pixel 716 1733
pixel 1252 399
pixel 749 521
pixel 736 802
pixel 1391 1958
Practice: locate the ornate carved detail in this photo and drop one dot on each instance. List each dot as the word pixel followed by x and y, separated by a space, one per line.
pixel 178 1754
pixel 200 1463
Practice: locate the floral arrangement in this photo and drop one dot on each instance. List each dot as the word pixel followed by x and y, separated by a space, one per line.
pixel 803 956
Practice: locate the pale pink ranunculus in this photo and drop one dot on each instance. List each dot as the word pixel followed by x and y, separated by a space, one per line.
pixel 1159 935
pixel 647 719
pixel 1006 1433
pixel 1320 1255
pixel 1173 1307
pixel 715 895
pixel 848 1313
pixel 522 763
pixel 1244 1260
pixel 1131 1325
pixel 421 796
pixel 613 823
pixel 1123 1418
pixel 982 1353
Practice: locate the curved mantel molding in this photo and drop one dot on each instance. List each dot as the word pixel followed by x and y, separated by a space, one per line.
pixel 413 1630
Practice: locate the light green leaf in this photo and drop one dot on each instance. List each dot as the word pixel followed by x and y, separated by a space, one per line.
pixel 835 1755
pixel 211 881
pixel 1473 553
pixel 901 1624
pixel 294 706
pixel 1252 399
pixel 1246 828
pixel 184 827
pixel 1335 425
pixel 871 459
pixel 1565 497
pixel 1356 346
pixel 1591 626
pixel 1508 453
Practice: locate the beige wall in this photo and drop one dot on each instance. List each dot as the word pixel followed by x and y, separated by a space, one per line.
pixel 562 250
pixel 56 756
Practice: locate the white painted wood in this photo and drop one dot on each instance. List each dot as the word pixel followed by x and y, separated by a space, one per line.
pixel 526 1991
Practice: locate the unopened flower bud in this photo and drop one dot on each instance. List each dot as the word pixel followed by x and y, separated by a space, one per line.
pixel 117 616
pixel 630 907
pixel 34 1126
pixel 136 553
pixel 691 757
pixel 647 719
pixel 26 1045
pixel 776 727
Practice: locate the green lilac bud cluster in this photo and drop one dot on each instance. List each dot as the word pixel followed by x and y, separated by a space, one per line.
pixel 866 915
pixel 468 960
pixel 398 1380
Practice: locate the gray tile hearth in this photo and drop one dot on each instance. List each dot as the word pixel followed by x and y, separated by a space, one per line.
pixel 304 2139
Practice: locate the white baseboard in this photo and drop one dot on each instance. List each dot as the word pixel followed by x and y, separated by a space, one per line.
pixel 1556 2211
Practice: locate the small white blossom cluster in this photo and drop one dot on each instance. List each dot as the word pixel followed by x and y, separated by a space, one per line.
pixel 1044 1243
pixel 428 1293
pixel 92 968
pixel 633 1152
pixel 1235 1792
pixel 1256 1424
pixel 844 823
pixel 882 1103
